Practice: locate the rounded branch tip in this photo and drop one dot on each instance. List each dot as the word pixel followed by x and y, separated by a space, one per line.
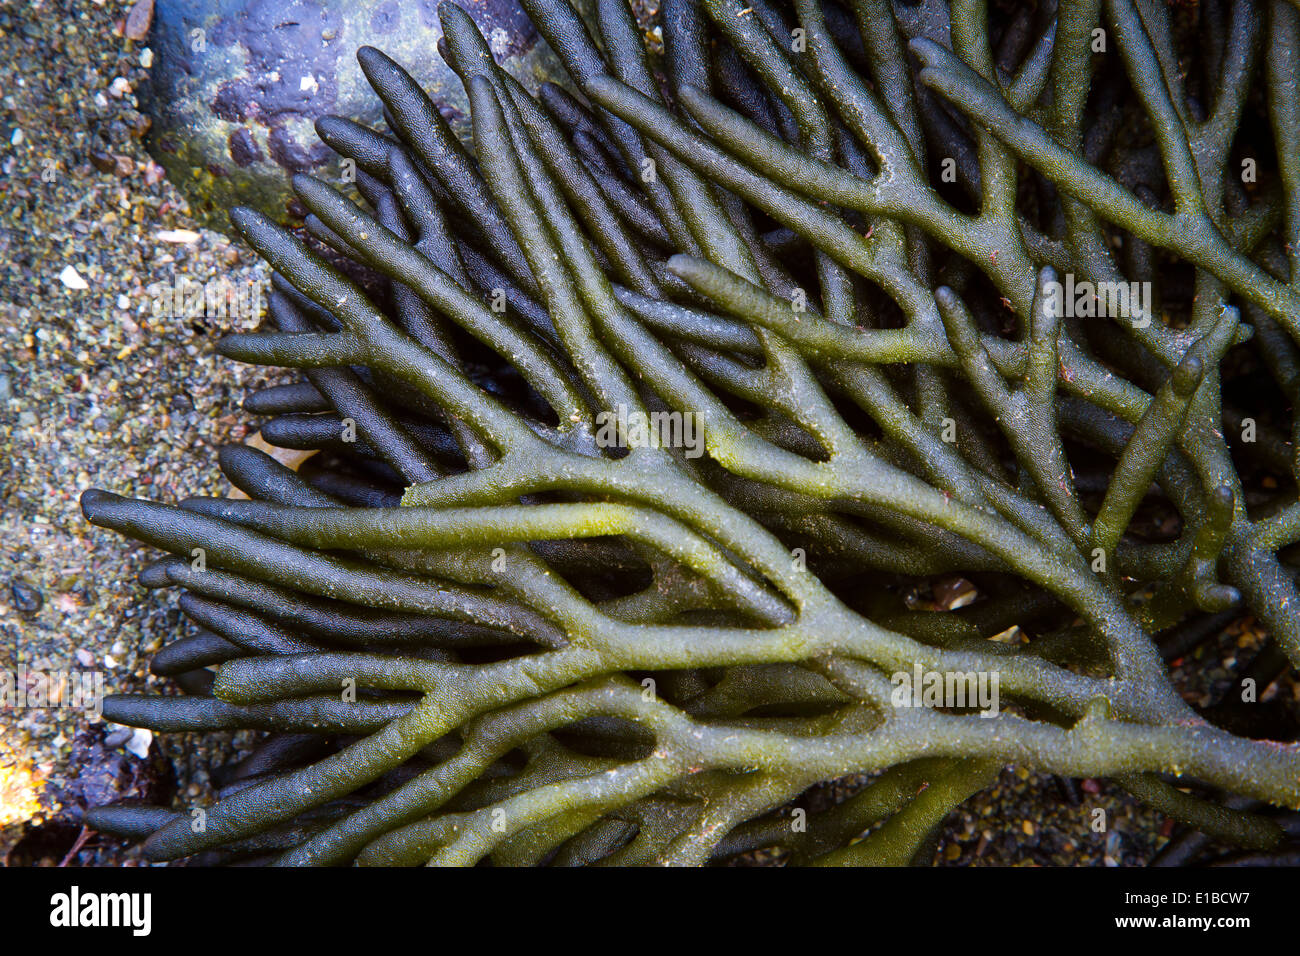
pixel 691 97
pixel 372 59
pixel 1223 498
pixel 925 50
pixel 1214 598
pixel 95 503
pixel 683 265
pixel 250 223
pixel 156 575
pixel 1187 376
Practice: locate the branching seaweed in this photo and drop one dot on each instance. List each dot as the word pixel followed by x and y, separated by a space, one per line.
pixel 646 418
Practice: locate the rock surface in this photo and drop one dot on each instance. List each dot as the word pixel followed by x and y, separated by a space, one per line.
pixel 238 84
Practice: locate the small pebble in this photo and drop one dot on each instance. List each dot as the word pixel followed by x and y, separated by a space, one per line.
pixel 71 278
pixel 138 20
pixel 103 161
pixel 181 236
pixel 27 599
pixel 139 742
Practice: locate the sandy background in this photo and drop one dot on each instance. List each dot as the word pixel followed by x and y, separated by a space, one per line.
pixel 94 390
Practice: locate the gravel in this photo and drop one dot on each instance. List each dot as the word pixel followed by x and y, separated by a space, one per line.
pixel 94 389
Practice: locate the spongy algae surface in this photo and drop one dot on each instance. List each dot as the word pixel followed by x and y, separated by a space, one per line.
pixel 884 392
